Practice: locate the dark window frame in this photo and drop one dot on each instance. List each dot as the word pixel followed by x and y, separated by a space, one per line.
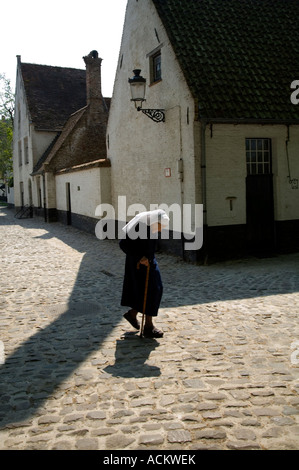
pixel 155 67
pixel 258 156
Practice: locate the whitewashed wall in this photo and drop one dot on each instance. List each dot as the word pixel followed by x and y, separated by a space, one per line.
pixel 139 149
pixel 10 195
pixel 89 188
pixel 226 171
pixel 38 142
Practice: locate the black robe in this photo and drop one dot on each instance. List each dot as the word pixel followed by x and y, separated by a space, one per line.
pixel 135 276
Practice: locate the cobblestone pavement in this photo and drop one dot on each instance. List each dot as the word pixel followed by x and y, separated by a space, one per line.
pixel 75 375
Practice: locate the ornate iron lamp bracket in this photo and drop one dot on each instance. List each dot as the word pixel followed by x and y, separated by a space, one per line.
pixel 156 115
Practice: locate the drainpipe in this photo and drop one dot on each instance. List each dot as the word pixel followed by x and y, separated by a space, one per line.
pixel 204 188
pixel 44 198
pixel 180 170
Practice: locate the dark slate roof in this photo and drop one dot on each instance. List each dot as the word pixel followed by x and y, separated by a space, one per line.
pixel 239 57
pixel 53 93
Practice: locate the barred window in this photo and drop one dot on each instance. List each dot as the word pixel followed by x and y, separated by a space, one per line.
pixel 258 156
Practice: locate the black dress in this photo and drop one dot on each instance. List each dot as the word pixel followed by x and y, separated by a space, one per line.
pixel 135 275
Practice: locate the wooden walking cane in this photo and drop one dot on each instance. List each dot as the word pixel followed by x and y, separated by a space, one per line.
pixel 144 300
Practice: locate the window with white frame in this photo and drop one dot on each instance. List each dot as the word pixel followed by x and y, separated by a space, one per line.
pixel 258 156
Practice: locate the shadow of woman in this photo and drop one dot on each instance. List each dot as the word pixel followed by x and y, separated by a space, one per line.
pixel 131 356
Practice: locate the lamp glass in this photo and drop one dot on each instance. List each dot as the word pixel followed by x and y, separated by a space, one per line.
pixel 137 85
pixel 137 91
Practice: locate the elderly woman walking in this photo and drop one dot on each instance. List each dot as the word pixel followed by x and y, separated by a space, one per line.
pixel 142 286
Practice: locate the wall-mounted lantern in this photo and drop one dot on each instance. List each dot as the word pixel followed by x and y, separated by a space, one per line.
pixel 137 85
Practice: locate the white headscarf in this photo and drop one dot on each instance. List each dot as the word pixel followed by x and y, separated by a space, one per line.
pixel 148 218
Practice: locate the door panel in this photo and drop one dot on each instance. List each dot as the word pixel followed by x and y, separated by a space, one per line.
pixel 259 196
pixel 260 214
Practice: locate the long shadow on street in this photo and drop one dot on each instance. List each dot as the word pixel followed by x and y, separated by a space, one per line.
pixel 40 365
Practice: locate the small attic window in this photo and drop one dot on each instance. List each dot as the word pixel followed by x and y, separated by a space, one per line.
pixel 155 67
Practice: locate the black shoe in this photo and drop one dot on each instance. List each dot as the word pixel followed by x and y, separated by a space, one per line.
pixel 152 333
pixel 133 321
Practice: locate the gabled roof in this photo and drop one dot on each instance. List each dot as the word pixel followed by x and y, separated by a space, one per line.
pixel 239 57
pixel 67 129
pixel 58 141
pixel 94 135
pixel 53 94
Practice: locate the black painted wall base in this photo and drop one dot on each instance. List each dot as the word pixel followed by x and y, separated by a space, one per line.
pixel 219 243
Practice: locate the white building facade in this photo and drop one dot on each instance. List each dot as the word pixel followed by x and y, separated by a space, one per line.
pixel 28 145
pixel 244 172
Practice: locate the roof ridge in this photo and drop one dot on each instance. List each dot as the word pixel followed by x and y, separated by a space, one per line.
pixel 52 66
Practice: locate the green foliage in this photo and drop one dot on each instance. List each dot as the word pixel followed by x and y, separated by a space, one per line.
pixel 6 128
pixel 5 148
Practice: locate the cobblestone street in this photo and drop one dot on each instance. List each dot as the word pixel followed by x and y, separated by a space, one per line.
pixel 76 376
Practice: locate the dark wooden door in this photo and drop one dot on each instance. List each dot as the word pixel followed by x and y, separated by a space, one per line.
pixel 260 214
pixel 259 196
pixel 68 203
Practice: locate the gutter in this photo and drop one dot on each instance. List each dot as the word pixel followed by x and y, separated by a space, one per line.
pixel 237 121
pixel 203 170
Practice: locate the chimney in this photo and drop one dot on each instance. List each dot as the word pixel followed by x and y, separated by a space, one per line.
pixel 95 99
